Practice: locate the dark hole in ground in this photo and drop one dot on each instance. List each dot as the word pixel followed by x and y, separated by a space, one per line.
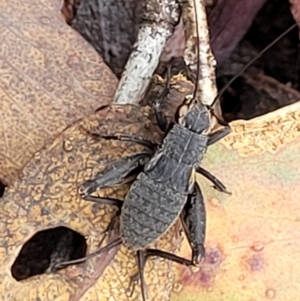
pixel 47 248
pixel 251 96
pixel 2 189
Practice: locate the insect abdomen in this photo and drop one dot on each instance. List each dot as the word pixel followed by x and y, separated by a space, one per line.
pixel 150 209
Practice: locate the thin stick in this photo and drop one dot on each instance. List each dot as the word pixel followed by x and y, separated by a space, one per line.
pixel 159 20
pixel 202 61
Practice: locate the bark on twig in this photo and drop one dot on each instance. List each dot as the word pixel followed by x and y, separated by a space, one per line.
pixel 196 31
pixel 159 20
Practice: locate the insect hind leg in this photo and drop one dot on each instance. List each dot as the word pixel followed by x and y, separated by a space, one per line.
pixel 108 247
pixel 168 256
pixel 161 119
pixel 141 265
pixel 193 218
pixel 143 256
pixel 139 276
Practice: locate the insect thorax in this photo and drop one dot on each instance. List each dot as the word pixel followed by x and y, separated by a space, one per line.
pixel 174 162
pixel 194 115
pixel 185 146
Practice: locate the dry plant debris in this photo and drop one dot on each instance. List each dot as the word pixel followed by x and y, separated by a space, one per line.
pixel 252 235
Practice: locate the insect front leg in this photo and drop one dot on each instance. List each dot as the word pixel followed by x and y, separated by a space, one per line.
pixel 161 117
pixel 218 135
pixel 193 219
pixel 117 173
pixel 126 138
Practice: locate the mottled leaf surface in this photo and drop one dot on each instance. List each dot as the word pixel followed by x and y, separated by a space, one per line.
pixel 45 196
pixel 253 245
pixel 49 78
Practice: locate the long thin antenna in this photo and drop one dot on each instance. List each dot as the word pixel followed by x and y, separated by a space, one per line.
pixel 198 52
pixel 250 63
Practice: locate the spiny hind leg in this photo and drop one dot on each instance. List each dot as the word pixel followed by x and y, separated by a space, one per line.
pixel 141 265
pixel 193 218
pixel 99 251
pixel 141 260
pixel 217 183
pixel 117 173
pixel 161 119
pixel 107 232
pixel 139 276
pixel 111 202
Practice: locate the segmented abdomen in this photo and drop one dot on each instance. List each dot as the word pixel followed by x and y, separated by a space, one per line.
pixel 157 196
pixel 149 209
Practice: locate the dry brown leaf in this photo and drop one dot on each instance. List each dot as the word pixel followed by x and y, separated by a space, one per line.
pixel 45 196
pixel 49 78
pixel 252 236
pixel 243 230
pixel 252 243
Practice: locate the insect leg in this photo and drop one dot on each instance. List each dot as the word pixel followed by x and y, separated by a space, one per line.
pixel 141 265
pixel 118 173
pixel 217 183
pixel 193 219
pixel 168 256
pixel 158 253
pixel 111 245
pixel 126 138
pixel 106 233
pixel 112 202
pixel 218 135
pixel 161 119
pixel 104 201
pixel 159 113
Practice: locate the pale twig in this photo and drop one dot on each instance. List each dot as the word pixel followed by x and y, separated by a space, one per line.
pixel 196 31
pixel 159 20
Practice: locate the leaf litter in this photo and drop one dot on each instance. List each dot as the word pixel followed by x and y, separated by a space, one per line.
pixel 268 289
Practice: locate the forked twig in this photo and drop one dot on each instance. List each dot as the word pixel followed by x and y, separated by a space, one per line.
pixel 159 20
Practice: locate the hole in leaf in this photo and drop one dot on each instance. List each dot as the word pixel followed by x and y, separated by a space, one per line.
pixel 47 248
pixel 2 189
